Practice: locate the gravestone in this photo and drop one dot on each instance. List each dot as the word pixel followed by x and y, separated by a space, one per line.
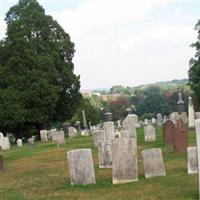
pixel 19 142
pixel 1 163
pixel 60 138
pixel 98 136
pixel 197 130
pixel 180 136
pixel 146 121
pixel 105 154
pixel 44 136
pixel 159 120
pixel 81 167
pixel 124 165
pixel 72 132
pixel 5 145
pixel 197 115
pixel 85 132
pixel 109 130
pixel 192 160
pixel 174 117
pixel 1 138
pixel 153 163
pixel 153 120
pixel 124 133
pixel 130 123
pixel 30 140
pixel 191 113
pixel 168 132
pixel 149 133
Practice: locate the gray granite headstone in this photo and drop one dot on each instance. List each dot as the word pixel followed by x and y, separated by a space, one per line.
pixel 149 133
pixel 124 165
pixel 81 167
pixel 192 160
pixel 153 163
pixel 60 138
pixel 72 132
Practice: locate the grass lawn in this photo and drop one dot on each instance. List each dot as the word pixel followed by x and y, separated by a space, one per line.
pixel 40 172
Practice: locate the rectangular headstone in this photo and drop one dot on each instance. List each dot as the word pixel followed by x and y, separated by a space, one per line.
pixel 72 132
pixel 192 160
pixel 5 145
pixel 109 130
pixel 124 165
pixel 168 132
pixel 19 142
pixel 130 124
pixel 44 136
pixel 60 138
pixel 81 167
pixel 149 133
pixel 98 136
pixel 153 162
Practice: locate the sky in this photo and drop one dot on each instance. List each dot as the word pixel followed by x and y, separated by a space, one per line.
pixel 125 42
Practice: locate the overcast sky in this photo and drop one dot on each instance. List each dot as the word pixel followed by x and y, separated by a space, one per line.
pixel 125 42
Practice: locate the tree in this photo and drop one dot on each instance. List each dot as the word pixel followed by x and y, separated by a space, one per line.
pixel 194 70
pixel 36 68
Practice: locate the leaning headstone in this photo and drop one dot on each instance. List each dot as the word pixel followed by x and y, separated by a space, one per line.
pixel 168 132
pixel 105 154
pixel 124 165
pixel 180 136
pixel 19 142
pixel 197 115
pixel 191 113
pixel 60 138
pixel 72 132
pixel 109 130
pixel 124 133
pixel 192 160
pixel 81 167
pixel 1 163
pixel 5 143
pixel 153 162
pixel 130 123
pixel 149 133
pixel 98 136
pixel 44 136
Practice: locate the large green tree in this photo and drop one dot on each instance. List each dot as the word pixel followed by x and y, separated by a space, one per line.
pixel 37 82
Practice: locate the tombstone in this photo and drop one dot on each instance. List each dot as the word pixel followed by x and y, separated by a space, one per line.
pixel 192 160
pixel 174 117
pixel 149 133
pixel 191 113
pixel 129 125
pixel 124 134
pixel 43 136
pixel 153 163
pixel 153 120
pixel 53 134
pixel 105 154
pixel 72 132
pixel 98 136
pixel 159 120
pixel 1 163
pixel 60 138
pixel 81 168
pixel 109 130
pixel 124 160
pixel 180 137
pixel 197 115
pixel 197 130
pixel 1 138
pixel 84 133
pixel 19 142
pixel 5 145
pixel 30 140
pixel 168 132
pixel 146 122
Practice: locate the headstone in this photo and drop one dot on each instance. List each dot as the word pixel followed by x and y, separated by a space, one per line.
pixel 5 145
pixel 180 137
pixel 149 133
pixel 159 120
pixel 105 154
pixel 197 115
pixel 81 167
pixel 146 121
pixel 85 133
pixel 1 163
pixel 197 130
pixel 191 113
pixel 168 132
pixel 19 142
pixel 130 123
pixel 153 163
pixel 192 160
pixel 98 136
pixel 53 134
pixel 174 117
pixel 1 138
pixel 153 120
pixel 125 133
pixel 72 132
pixel 109 130
pixel 60 138
pixel 44 136
pixel 84 119
pixel 124 165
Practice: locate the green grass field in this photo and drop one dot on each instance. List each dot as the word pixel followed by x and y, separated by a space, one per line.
pixel 40 172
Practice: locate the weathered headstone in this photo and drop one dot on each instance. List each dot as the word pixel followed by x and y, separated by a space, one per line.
pixel 105 154
pixel 1 138
pixel 60 138
pixel 192 160
pixel 19 142
pixel 180 136
pixel 109 130
pixel 81 167
pixel 5 145
pixel 85 132
pixel 72 132
pixel 159 120
pixel 174 117
pixel 30 140
pixel 98 136
pixel 1 163
pixel 149 133
pixel 153 120
pixel 124 165
pixel 168 132
pixel 153 163
pixel 146 121
pixel 130 123
pixel 44 136
pixel 124 133
pixel 191 113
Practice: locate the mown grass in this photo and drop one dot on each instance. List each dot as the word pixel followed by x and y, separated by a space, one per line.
pixel 40 172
